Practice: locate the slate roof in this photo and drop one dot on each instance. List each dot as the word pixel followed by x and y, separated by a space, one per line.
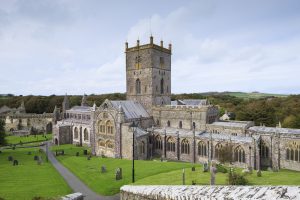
pixel 190 102
pixel 232 124
pixel 81 108
pixel 263 129
pixel 132 109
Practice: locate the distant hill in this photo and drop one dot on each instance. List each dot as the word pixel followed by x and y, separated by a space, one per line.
pixel 244 95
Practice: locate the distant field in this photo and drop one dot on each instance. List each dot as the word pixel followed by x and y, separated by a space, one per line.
pixel 28 179
pixel 244 95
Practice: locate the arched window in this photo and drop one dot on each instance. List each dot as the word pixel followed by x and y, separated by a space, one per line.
pixel 109 144
pixel 168 123
pixel 288 154
pixel 293 152
pixel 138 86
pixel 180 124
pixel 158 142
pixel 218 150
pixel 185 146
pixel 142 147
pixel 171 144
pixel 101 143
pixel 162 86
pixel 101 127
pixel 264 150
pixel 157 122
pixel 239 155
pixel 85 135
pixel 76 133
pixel 202 148
pixel 109 127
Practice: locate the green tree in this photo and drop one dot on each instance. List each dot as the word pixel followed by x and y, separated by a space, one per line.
pixel 2 133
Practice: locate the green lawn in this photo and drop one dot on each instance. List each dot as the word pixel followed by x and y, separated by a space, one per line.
pixel 89 171
pixel 29 179
pixel 154 172
pixel 31 138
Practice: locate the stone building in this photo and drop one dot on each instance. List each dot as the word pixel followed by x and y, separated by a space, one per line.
pixel 184 130
pixel 17 121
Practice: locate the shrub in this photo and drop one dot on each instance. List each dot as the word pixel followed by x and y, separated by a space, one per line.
pixel 221 168
pixel 236 179
pixel 258 173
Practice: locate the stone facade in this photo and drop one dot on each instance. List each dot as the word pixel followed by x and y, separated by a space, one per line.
pixel 183 130
pixel 17 120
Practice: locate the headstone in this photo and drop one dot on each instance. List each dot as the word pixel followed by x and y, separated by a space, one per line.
pixel 89 157
pixel 118 174
pixel 103 169
pixel 205 167
pixel 183 177
pixel 40 160
pixel 85 152
pixel 29 153
pixel 193 182
pixel 15 163
pixel 213 171
pixel 10 158
pixel 193 169
pixel 62 152
pixel 35 157
pixel 0 151
pixel 161 159
pixel 77 153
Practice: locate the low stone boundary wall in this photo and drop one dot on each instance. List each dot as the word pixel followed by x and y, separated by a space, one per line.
pixel 163 192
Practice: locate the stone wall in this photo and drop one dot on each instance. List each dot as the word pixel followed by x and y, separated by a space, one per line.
pixel 208 192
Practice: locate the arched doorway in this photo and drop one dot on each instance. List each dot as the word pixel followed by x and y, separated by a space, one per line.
pixel 49 128
pixel 56 141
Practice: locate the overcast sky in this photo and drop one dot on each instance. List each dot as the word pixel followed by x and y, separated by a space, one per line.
pixel 77 46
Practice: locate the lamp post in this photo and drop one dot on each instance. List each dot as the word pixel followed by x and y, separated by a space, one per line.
pixel 133 126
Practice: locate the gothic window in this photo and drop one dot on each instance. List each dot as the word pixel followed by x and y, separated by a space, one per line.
pixel 138 86
pixel 158 142
pixel 109 127
pixel 293 152
pixel 171 144
pixel 168 123
pixel 101 127
pixel 239 155
pixel 162 86
pixel 85 135
pixel 105 106
pixel 218 150
pixel 157 122
pixel 180 124
pixel 101 143
pixel 142 148
pixel 161 62
pixel 264 150
pixel 145 89
pixel 185 146
pixel 156 88
pixel 202 148
pixel 138 62
pixel 76 133
pixel 109 144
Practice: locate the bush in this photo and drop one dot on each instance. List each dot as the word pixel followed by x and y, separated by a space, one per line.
pixel 236 179
pixel 221 168
pixel 258 173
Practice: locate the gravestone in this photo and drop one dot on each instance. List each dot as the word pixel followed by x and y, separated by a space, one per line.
pixel 85 152
pixel 118 174
pixel 193 169
pixel 15 163
pixel 89 157
pixel 10 158
pixel 77 153
pixel 35 157
pixel 213 171
pixel 103 169
pixel 29 153
pixel 40 160
pixel 0 151
pixel 205 167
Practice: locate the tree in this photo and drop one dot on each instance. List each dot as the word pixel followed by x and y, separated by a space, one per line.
pixel 2 133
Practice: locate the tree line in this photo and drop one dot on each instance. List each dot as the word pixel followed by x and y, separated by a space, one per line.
pixel 268 111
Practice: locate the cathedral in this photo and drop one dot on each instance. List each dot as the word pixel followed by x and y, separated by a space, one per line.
pixel 183 130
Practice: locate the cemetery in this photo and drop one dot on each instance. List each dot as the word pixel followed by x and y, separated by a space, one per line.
pixel 25 174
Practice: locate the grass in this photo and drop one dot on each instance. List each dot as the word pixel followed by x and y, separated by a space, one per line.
pixel 29 179
pixel 89 171
pixel 31 138
pixel 154 172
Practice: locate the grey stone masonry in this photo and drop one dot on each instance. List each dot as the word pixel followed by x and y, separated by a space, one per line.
pixel 163 192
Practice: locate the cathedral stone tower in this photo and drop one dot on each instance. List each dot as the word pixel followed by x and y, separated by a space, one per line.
pixel 148 74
